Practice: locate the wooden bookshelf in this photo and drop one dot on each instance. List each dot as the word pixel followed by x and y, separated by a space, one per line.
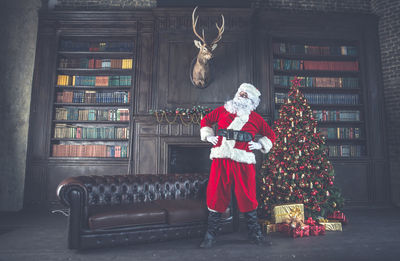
pixel 97 76
pixel 337 90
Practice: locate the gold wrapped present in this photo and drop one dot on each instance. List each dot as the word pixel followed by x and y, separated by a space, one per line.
pixel 282 213
pixel 264 223
pixel 332 225
pixel 271 228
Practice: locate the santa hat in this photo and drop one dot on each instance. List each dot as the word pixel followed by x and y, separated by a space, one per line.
pixel 252 92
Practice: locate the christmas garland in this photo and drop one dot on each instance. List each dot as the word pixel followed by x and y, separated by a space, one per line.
pixel 187 116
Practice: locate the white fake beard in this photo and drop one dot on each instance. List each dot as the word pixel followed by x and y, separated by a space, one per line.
pixel 240 106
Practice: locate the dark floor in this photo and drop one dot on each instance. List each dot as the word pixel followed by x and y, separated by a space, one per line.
pixel 373 234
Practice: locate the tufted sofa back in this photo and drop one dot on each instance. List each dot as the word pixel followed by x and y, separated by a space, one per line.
pixel 128 189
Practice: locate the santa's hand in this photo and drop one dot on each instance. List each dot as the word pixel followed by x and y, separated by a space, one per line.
pixel 212 139
pixel 254 145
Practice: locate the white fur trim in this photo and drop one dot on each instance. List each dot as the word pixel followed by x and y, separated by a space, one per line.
pixel 227 148
pixel 206 132
pixel 266 144
pixel 233 153
pixel 250 89
pixel 252 92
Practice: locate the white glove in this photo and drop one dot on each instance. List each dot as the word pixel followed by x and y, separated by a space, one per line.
pixel 212 139
pixel 254 145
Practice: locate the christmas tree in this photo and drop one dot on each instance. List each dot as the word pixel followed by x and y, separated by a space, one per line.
pixel 297 169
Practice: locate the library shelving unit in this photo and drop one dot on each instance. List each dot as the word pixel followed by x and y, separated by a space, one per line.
pixel 92 106
pixel 329 74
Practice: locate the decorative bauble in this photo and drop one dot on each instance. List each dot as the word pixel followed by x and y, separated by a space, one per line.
pixel 334 204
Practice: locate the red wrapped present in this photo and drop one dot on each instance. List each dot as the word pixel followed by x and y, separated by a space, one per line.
pixel 339 216
pixel 303 231
pixel 317 230
pixel 298 231
pixel 284 228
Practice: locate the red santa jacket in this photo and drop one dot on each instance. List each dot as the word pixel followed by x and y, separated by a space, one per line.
pixel 238 151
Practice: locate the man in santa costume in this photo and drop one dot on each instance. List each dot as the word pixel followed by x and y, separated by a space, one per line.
pixel 233 160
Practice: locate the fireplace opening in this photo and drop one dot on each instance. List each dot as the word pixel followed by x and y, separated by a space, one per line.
pixel 189 159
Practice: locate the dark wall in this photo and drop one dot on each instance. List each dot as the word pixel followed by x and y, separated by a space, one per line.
pixel 18 30
pixel 389 35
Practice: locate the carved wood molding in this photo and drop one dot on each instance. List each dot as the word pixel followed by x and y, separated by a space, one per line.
pixel 181 19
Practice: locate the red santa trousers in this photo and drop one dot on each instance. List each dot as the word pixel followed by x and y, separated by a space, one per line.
pixel 225 173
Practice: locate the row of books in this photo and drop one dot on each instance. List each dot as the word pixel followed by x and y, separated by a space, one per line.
pixel 291 48
pixel 91 151
pixel 86 63
pixel 334 115
pixel 322 98
pixel 75 114
pixel 285 64
pixel 93 97
pixel 341 133
pixel 100 46
pixel 317 82
pixel 63 131
pixel 346 150
pixel 100 81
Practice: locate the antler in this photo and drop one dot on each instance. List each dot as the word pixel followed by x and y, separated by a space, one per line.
pixel 194 23
pixel 220 31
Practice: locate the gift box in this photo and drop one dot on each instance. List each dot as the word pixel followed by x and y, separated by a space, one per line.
pixel 339 216
pixel 271 228
pixel 303 231
pixel 284 228
pixel 317 230
pixel 332 225
pixel 282 213
pixel 267 227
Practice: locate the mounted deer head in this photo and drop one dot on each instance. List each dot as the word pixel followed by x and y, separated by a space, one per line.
pixel 201 69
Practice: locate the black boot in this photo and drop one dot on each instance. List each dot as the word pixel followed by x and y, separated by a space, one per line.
pixel 255 234
pixel 212 230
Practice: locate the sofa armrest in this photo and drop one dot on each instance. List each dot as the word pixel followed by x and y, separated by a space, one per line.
pixel 73 194
pixel 71 184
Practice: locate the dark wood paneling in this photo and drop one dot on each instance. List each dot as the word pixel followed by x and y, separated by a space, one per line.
pixel 147 150
pixel 381 181
pixel 35 181
pixel 144 67
pixel 351 177
pixel 229 67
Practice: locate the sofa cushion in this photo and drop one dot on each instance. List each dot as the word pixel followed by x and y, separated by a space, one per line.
pixel 111 216
pixel 183 211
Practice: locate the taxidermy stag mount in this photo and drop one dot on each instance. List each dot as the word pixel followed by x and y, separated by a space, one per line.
pixel 201 69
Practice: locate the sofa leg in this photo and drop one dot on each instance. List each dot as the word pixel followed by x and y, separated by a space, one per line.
pixel 213 225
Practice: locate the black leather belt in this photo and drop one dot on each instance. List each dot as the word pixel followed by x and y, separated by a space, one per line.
pixel 235 135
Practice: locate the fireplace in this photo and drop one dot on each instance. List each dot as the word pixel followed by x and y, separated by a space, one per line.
pixel 188 159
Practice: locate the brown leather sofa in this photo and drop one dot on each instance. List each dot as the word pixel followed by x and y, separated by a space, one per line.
pixel 128 209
